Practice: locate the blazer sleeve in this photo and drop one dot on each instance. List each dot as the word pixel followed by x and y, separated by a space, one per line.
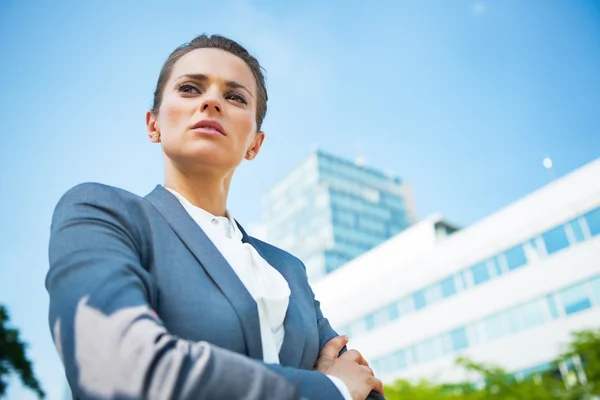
pixel 111 342
pixel 326 333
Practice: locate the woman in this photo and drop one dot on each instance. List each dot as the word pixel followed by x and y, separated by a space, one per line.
pixel 166 296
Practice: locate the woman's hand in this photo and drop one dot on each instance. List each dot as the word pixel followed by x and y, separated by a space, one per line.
pixel 350 367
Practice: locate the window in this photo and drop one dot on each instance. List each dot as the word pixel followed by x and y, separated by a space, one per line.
pixel 532 314
pixel 343 217
pixel 552 306
pixel 387 364
pixel 595 286
pixel 515 257
pixel 536 370
pixel 392 310
pixel 496 266
pixel 555 239
pixel 480 273
pixel 448 288
pixel 496 326
pixel 433 293
pixel 459 339
pixel 473 333
pixel 532 250
pixel 447 344
pixel 369 322
pixel 593 221
pixel 461 280
pixel 406 306
pixel 577 231
pixel 358 327
pixel 429 349
pixel 575 299
pixel 514 320
pixel 419 299
pixel 385 314
pixel 401 361
pixel 411 357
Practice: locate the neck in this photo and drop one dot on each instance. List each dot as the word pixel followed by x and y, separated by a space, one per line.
pixel 205 189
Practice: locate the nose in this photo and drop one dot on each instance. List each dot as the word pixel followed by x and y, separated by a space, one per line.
pixel 211 101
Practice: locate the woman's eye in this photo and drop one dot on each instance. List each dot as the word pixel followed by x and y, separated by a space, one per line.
pixel 189 89
pixel 237 97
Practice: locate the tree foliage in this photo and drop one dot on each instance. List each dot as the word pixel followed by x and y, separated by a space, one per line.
pixel 13 357
pixel 575 375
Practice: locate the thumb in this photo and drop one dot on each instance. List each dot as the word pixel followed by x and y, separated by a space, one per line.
pixel 334 346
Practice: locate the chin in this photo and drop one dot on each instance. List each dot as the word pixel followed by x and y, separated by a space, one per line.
pixel 207 159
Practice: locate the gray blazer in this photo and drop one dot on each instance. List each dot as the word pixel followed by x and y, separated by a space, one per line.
pixel 143 305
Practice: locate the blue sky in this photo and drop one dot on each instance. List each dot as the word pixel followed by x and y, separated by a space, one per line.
pixel 462 99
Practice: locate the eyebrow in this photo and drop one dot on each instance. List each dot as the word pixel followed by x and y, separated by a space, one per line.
pixel 204 78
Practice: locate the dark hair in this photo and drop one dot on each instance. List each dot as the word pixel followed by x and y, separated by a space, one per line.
pixel 222 43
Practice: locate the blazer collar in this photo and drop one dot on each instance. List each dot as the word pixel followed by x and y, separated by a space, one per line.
pixel 213 263
pixel 294 324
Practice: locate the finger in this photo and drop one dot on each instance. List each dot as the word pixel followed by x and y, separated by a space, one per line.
pixel 377 386
pixel 368 369
pixel 333 347
pixel 355 356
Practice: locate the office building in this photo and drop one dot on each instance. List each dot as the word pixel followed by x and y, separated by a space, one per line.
pixel 328 211
pixel 508 290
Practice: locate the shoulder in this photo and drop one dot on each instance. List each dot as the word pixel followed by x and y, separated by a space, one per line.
pixel 93 199
pixel 96 192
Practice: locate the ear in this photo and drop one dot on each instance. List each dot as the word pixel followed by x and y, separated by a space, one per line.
pixel 255 146
pixel 152 127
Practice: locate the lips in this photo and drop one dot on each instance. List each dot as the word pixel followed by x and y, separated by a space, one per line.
pixel 209 126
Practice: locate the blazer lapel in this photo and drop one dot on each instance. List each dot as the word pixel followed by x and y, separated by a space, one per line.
pixel 213 263
pixel 294 339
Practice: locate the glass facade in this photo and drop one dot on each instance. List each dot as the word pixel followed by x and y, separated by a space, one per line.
pixel 564 303
pixel 329 211
pixel 527 253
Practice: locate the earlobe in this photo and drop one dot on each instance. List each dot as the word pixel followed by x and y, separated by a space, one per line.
pixel 255 148
pixel 152 127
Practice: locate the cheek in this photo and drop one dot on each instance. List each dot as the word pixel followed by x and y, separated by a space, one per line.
pixel 174 117
pixel 246 125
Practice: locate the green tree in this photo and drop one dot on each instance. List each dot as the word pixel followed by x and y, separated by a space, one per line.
pixel 13 357
pixel 583 356
pixel 575 375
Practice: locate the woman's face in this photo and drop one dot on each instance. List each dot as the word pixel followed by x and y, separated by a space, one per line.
pixel 208 113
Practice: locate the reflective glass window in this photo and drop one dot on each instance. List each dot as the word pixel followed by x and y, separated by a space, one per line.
pixel 515 257
pixel 429 349
pixel 575 299
pixel 496 266
pixel 595 288
pixel 401 361
pixel 419 300
pixel 480 273
pixel 369 322
pixel 532 314
pixel 593 221
pixel 555 239
pixel 496 326
pixel 448 287
pixel 459 339
pixel 552 308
